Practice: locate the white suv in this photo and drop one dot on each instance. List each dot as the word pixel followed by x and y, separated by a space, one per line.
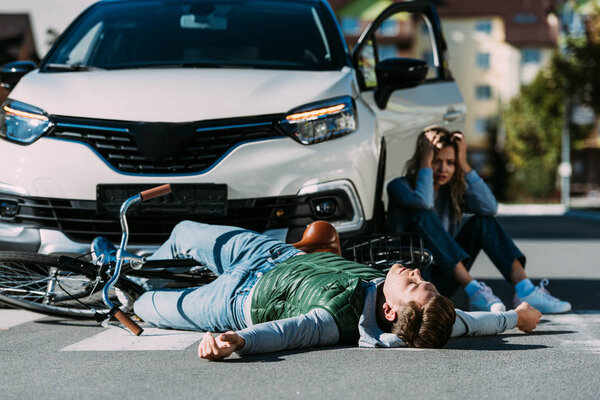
pixel 254 110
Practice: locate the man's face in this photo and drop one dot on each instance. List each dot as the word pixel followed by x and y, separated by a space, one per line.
pixel 403 285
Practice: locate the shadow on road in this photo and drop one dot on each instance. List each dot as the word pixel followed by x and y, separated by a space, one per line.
pixel 278 356
pixel 489 343
pixel 68 322
pixel 583 294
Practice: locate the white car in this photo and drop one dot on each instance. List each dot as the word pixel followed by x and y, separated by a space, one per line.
pixel 255 111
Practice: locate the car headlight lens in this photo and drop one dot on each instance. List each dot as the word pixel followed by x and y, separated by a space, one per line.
pixel 22 123
pixel 321 121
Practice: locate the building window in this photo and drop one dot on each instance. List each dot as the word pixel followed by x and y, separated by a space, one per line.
pixel 525 18
pixel 389 27
pixel 350 25
pixel 387 51
pixel 483 60
pixel 483 92
pixel 481 125
pixel 484 26
pixel 531 56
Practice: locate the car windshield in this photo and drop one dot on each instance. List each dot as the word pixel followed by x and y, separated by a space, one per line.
pixel 221 33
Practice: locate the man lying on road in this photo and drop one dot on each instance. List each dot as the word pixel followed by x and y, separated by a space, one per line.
pixel 270 296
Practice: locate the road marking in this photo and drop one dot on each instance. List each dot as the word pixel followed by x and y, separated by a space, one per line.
pixel 585 324
pixel 11 318
pixel 119 339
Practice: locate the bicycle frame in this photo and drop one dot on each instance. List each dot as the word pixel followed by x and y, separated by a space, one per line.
pixel 122 254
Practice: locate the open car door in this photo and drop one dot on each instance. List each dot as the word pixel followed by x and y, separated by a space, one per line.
pixel 402 66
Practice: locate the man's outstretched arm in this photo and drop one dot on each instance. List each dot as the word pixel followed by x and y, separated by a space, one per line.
pixel 484 323
pixel 315 328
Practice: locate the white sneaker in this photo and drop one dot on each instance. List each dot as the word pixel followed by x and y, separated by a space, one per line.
pixel 485 300
pixel 541 299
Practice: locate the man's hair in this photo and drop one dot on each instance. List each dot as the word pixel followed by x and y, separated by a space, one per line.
pixel 429 326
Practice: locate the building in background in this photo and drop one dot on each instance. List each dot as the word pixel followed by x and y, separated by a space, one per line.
pixel 16 42
pixel 29 27
pixel 496 47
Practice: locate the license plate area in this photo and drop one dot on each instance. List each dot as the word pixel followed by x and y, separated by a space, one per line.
pixel 185 198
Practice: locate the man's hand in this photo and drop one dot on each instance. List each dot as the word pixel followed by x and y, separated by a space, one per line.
pixel 529 317
pixel 459 139
pixel 220 347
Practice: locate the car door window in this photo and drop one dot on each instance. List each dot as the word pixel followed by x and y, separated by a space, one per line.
pixel 402 34
pixel 424 45
pixel 366 65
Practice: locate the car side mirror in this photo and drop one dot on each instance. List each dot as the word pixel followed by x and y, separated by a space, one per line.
pixel 11 73
pixel 397 73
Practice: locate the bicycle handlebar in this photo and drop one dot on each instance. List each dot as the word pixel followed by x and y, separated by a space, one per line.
pixel 155 192
pixel 129 323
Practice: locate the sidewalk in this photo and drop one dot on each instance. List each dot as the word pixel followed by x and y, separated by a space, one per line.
pixel 585 212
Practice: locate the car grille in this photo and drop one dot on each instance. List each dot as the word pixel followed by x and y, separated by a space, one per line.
pixel 164 148
pixel 79 220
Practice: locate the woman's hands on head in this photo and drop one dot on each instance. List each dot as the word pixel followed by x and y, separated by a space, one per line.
pixel 428 148
pixel 222 346
pixel 461 146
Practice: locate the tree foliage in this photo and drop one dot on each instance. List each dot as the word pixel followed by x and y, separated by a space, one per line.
pixel 533 122
pixel 534 119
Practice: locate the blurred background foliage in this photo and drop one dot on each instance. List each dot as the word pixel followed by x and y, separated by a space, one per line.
pixel 534 119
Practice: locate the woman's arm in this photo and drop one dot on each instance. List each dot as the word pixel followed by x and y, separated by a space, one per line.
pixel 402 194
pixel 478 196
pixel 400 191
pixel 315 328
pixel 479 199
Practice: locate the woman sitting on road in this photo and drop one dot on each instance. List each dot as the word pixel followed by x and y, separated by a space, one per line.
pixel 438 188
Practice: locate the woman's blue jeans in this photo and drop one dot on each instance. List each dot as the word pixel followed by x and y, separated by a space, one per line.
pixel 238 256
pixel 478 232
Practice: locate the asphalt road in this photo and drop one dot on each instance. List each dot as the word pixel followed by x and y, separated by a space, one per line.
pixel 64 359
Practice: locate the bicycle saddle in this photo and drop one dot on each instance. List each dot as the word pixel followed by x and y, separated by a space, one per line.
pixel 319 236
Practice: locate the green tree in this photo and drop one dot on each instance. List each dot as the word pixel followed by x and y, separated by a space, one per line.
pixel 534 118
pixel 533 122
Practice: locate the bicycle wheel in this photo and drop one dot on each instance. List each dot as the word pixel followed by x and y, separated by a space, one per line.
pixel 42 284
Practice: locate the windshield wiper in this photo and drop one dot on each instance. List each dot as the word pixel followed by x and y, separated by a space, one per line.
pixel 72 67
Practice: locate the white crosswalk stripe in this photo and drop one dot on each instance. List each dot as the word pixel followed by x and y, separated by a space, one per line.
pixel 119 339
pixel 12 318
pixel 585 324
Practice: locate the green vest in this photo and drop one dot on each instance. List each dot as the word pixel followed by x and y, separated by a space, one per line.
pixel 317 280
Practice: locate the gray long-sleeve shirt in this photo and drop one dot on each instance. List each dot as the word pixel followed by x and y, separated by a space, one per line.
pixel 318 328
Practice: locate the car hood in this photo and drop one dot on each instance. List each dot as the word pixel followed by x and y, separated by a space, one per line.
pixel 178 95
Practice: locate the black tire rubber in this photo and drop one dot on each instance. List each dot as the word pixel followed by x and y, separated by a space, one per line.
pixel 24 278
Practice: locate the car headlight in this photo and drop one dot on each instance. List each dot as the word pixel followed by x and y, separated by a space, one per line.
pixel 22 123
pixel 325 120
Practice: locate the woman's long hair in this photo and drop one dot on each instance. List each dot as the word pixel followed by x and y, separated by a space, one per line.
pixel 457 185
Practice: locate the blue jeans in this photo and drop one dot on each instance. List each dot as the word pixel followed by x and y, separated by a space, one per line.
pixel 238 256
pixel 478 232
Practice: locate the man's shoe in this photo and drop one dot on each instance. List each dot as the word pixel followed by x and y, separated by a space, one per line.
pixel 485 300
pixel 541 299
